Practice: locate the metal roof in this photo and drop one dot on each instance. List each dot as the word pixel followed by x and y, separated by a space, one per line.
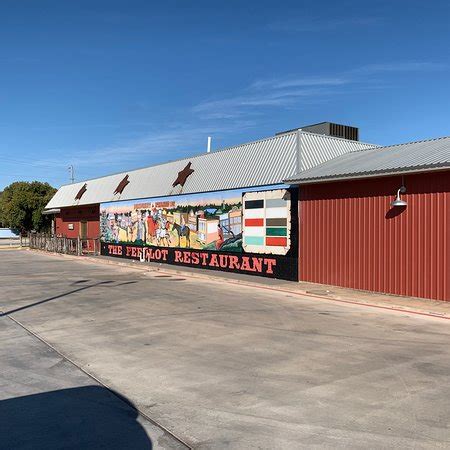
pixel 51 211
pixel 433 154
pixel 259 163
pixel 318 148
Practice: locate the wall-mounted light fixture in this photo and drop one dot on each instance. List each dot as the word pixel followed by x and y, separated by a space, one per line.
pixel 398 201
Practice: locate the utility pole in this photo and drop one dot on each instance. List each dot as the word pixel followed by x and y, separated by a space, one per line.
pixel 72 174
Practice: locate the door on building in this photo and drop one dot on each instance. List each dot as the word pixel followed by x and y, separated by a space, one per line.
pixel 83 230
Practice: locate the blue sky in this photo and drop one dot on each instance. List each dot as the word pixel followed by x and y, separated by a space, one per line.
pixel 110 86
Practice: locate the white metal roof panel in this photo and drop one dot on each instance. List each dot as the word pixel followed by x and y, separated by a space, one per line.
pixel 260 163
pixel 318 148
pixel 411 157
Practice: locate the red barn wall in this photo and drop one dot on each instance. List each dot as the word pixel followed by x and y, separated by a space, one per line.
pixel 350 236
pixel 76 215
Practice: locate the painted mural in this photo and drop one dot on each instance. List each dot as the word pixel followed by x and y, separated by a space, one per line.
pixel 211 221
pixel 244 231
pixel 208 221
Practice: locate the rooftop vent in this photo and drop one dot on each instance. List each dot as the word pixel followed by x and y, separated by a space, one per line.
pixel 329 129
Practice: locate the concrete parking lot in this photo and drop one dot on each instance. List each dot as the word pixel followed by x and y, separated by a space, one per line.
pixel 224 366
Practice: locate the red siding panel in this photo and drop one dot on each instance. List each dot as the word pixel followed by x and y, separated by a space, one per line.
pixel 350 236
pixel 75 215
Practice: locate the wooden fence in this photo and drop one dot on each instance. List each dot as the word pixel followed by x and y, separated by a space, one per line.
pixel 70 246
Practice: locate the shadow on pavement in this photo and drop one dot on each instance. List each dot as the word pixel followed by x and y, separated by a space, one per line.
pixel 89 417
pixel 40 302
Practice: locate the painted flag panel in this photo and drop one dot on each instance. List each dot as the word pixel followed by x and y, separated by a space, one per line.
pixel 267 221
pixel 276 241
pixel 279 231
pixel 275 212
pixel 276 222
pixel 254 240
pixel 254 222
pixel 275 203
pixel 254 213
pixel 255 231
pixel 253 204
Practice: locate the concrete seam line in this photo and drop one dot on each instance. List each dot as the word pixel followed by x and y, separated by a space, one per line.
pixel 66 358
pixel 419 312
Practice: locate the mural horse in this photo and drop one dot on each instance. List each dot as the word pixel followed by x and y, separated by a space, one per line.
pixel 162 233
pixel 183 231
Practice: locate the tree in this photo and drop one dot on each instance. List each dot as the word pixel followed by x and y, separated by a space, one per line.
pixel 22 203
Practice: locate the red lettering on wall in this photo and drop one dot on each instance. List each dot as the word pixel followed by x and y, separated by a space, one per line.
pixel 234 262
pixel 270 263
pixel 178 256
pixel 213 261
pixel 223 261
pixel 257 264
pixel 246 264
pixel 204 257
pixel 115 250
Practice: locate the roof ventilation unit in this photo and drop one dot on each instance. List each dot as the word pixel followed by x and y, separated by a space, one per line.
pixel 330 129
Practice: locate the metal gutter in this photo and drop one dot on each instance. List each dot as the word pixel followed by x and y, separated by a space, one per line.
pixel 366 175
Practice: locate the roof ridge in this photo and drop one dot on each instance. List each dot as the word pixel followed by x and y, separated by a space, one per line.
pixel 338 138
pixel 382 147
pixel 269 138
pixel 415 142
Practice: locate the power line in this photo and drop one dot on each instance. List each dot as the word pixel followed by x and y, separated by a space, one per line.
pixel 29 163
pixel 28 177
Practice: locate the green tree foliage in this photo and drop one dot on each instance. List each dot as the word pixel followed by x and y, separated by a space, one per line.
pixel 22 203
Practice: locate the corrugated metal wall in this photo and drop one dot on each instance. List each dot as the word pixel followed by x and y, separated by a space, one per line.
pixel 89 214
pixel 350 236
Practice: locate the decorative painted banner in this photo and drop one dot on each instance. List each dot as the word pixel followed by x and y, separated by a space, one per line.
pixel 243 231
pixel 273 266
pixel 267 221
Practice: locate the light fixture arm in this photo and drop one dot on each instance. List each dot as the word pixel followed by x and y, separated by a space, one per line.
pixel 398 201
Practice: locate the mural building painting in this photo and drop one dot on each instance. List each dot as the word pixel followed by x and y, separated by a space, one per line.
pixel 216 230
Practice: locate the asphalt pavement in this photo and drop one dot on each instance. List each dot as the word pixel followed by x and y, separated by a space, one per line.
pixel 220 365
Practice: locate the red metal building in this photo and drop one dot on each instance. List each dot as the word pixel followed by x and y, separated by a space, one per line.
pixel 351 231
pixel 352 236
